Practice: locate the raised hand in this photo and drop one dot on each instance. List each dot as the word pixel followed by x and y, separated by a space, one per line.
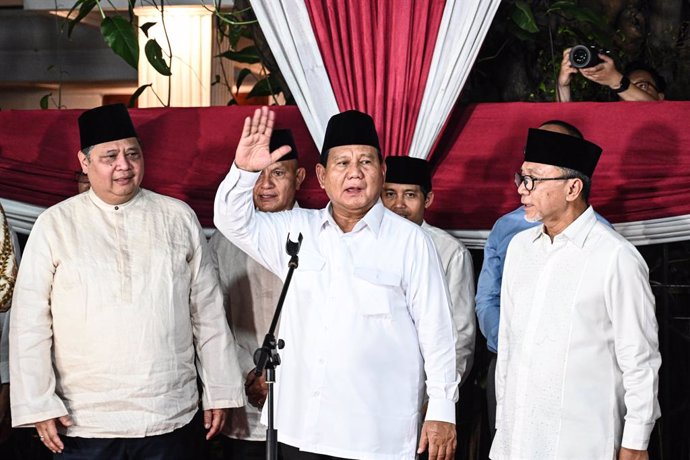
pixel 253 153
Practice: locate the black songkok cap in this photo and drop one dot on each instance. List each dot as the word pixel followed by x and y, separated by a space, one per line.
pixel 281 137
pixel 562 150
pixel 408 170
pixel 349 128
pixel 105 124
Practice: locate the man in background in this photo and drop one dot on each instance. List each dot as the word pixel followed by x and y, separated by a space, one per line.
pixel 408 193
pixel 250 295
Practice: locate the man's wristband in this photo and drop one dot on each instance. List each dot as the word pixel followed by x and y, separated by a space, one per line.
pixel 625 84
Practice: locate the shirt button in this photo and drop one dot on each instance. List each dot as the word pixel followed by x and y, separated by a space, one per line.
pixel 316 394
pixel 116 208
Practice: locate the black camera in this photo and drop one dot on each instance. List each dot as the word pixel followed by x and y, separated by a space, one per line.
pixel 584 56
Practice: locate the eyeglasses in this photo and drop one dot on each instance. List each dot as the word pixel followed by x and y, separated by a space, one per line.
pixel 644 85
pixel 529 181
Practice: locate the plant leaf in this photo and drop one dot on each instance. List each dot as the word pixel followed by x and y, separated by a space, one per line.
pixel 522 17
pixel 234 34
pixel 265 87
pixel 130 9
pixel 44 101
pixel 244 73
pixel 84 9
pixel 121 37
pixel 154 54
pixel 145 28
pixel 579 13
pixel 136 95
pixel 248 55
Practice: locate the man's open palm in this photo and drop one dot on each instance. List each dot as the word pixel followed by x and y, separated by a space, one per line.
pixel 253 152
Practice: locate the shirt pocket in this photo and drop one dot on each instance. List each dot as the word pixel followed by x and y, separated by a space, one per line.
pixel 309 272
pixel 310 261
pixel 378 292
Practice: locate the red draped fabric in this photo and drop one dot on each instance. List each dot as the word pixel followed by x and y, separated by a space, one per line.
pixel 644 172
pixel 187 153
pixel 377 55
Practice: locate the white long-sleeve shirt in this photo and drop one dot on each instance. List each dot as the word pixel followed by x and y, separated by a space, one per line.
pixel 578 359
pixel 110 305
pixel 456 261
pixel 367 315
pixel 250 294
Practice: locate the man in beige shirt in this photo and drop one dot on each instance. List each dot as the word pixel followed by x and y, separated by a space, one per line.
pixel 115 302
pixel 250 294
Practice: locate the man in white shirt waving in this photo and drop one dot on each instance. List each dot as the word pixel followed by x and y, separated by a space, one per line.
pixel 367 318
pixel 116 311
pixel 578 359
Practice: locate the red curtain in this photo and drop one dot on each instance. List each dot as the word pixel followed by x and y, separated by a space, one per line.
pixel 187 151
pixel 644 172
pixel 377 55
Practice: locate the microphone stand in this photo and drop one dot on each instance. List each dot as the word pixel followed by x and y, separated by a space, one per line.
pixel 267 356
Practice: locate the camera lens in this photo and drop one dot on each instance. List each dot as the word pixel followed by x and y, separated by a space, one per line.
pixel 580 56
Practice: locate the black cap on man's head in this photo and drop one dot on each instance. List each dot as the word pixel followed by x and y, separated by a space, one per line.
pixel 562 150
pixel 408 170
pixel 105 124
pixel 281 137
pixel 349 128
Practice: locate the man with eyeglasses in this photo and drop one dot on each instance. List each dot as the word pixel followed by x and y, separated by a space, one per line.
pixel 577 369
pixel 639 82
pixel 488 298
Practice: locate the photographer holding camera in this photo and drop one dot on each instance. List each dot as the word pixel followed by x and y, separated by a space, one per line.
pixel 638 83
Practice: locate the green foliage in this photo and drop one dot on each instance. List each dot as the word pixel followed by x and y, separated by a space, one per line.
pixel 154 54
pixel 145 28
pixel 43 103
pixel 85 7
pixel 523 18
pixel 248 55
pixel 528 38
pixel 136 94
pixel 232 26
pixel 244 73
pixel 267 86
pixel 120 34
pixel 121 37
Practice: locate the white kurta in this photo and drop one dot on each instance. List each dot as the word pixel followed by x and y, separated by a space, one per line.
pixel 250 295
pixel 110 306
pixel 366 317
pixel 578 359
pixel 457 265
